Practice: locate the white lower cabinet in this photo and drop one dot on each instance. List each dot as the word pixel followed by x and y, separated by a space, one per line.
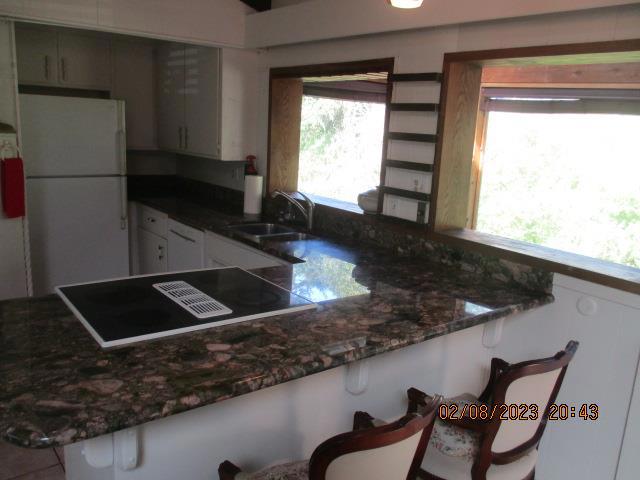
pixel 186 247
pixel 159 244
pixel 152 252
pixel 221 252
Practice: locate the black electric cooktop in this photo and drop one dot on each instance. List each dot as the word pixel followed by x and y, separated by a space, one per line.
pixel 119 312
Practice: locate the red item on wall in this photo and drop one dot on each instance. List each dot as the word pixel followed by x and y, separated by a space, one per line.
pixel 250 166
pixel 13 202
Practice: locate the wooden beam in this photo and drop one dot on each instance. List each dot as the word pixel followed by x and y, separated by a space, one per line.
pixel 616 51
pixel 259 5
pixel 622 75
pixel 285 112
pixel 454 153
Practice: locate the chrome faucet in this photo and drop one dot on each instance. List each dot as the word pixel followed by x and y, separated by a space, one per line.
pixel 307 212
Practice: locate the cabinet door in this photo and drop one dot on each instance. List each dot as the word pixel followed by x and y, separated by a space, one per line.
pixel 152 252
pixel 171 107
pixel 84 61
pixel 202 99
pixel 133 78
pixel 239 92
pixel 186 247
pixel 228 252
pixel 37 51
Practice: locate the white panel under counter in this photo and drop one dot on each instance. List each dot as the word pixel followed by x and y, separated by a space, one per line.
pixel 301 413
pixel 602 373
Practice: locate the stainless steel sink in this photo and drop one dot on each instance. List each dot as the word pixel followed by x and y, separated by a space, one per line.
pixel 258 232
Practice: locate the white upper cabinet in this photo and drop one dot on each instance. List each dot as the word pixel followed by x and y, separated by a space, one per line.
pixel 37 51
pixel 65 59
pixel 202 101
pixel 170 88
pixel 207 101
pixel 239 100
pixel 188 99
pixel 85 61
pixel 134 82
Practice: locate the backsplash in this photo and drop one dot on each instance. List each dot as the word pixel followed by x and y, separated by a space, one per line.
pixel 203 193
pixel 359 229
pixel 411 241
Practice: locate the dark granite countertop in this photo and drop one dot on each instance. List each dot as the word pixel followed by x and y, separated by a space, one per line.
pixel 60 387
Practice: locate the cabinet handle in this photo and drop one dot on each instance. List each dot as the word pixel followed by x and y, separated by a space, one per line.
pixel 161 250
pixel 46 67
pixel 63 67
pixel 186 138
pixel 183 236
pixel 151 219
pixel 180 136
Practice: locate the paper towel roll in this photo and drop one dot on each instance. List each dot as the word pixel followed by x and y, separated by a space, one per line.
pixel 253 194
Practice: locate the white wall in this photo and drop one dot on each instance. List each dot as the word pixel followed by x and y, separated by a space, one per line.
pixel 603 372
pixel 13 263
pixel 323 19
pixel 423 51
pixel 206 22
pixel 288 421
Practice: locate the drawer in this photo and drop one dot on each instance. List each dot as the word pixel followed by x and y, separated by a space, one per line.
pixel 153 221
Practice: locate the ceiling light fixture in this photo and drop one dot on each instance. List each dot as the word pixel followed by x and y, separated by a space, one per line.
pixel 405 3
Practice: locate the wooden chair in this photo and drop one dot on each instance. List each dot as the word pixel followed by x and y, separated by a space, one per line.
pixel 473 448
pixel 372 451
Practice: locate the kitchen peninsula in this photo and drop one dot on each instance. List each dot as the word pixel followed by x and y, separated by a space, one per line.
pixel 60 387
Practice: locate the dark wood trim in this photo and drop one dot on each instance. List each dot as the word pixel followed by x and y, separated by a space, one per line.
pixel 413 137
pixel 399 192
pixel 570 49
pixel 259 5
pixel 377 437
pixel 363 437
pixel 332 69
pixel 602 272
pixel 414 107
pixel 385 143
pixel 329 90
pixel 420 167
pixel 416 77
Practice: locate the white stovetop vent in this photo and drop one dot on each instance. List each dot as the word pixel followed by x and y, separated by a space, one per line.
pixel 194 301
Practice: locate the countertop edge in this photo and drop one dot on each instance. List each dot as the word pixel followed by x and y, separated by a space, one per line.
pixel 280 376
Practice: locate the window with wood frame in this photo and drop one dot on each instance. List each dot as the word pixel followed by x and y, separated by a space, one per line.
pixel 560 167
pixel 327 127
pixel 539 157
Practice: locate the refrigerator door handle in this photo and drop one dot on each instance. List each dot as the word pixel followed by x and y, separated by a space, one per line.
pixel 124 213
pixel 122 151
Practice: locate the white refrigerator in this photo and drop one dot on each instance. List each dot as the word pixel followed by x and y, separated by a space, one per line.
pixel 75 161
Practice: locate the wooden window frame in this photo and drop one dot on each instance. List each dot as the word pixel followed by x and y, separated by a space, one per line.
pixel 461 123
pixel 288 179
pixel 457 172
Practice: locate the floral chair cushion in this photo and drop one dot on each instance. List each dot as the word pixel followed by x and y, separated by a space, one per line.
pixel 455 441
pixel 286 471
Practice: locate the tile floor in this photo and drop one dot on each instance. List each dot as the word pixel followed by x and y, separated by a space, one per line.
pixel 28 464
